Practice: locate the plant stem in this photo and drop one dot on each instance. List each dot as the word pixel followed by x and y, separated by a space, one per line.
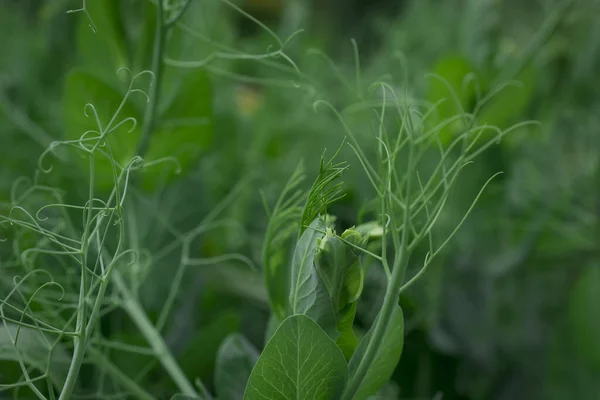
pixel 155 340
pixel 390 300
pixel 125 381
pixel 150 116
pixel 80 341
pixel 130 302
pixel 78 353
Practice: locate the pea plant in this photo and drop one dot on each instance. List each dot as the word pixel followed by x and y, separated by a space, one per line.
pixel 314 351
pixel 75 264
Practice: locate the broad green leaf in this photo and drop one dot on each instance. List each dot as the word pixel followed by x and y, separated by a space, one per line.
pixel 184 127
pixel 308 294
pixel 449 85
pixel 508 105
pixel 184 122
pixel 386 360
pixel 347 342
pixel 102 51
pixel 338 266
pixel 140 32
pixel 35 351
pixel 83 88
pixel 584 313
pixel 299 362
pixel 222 27
pixel 235 360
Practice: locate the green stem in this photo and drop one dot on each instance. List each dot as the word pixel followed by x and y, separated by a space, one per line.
pixel 155 340
pixel 125 381
pixel 80 341
pixel 149 122
pixel 130 302
pixel 390 300
pixel 78 353
pixel 597 185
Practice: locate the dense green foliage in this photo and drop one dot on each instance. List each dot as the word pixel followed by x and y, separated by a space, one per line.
pixel 236 200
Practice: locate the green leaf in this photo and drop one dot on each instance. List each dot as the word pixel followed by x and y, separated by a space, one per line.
pixel 509 105
pixel 448 85
pixel 308 294
pixel 299 362
pixel 347 342
pixel 83 88
pixel 102 52
pixel 339 267
pixel 585 315
pixel 386 360
pixel 184 127
pixel 235 360
pixel 141 36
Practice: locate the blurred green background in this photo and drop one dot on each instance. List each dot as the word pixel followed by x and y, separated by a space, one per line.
pixel 511 310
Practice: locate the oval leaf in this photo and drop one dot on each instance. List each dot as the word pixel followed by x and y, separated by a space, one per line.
pixel 308 294
pixel 509 105
pixel 101 39
pixel 387 357
pixel 185 129
pixel 339 268
pixel 448 87
pixel 299 362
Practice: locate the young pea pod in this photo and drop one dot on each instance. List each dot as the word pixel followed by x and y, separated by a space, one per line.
pixel 308 294
pixel 327 279
pixel 338 266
